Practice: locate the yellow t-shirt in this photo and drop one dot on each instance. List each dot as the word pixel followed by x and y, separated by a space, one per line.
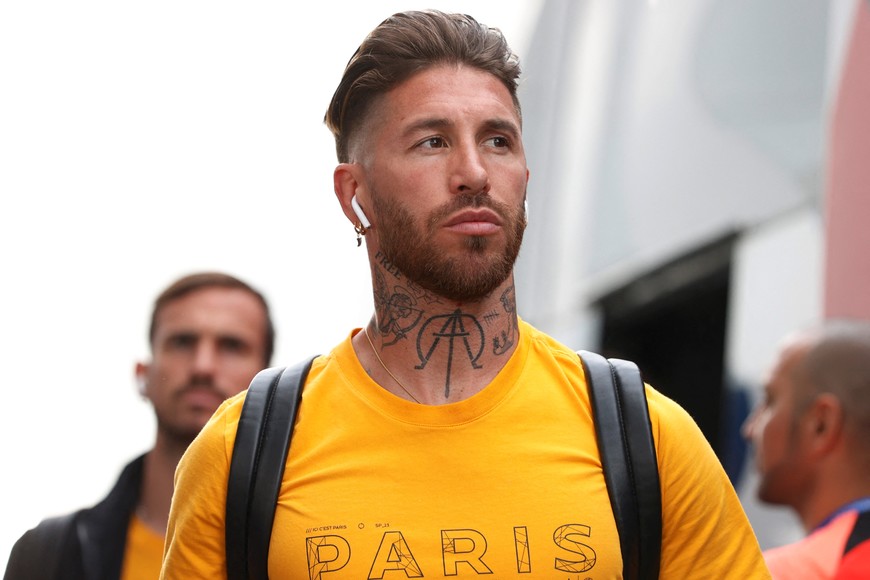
pixel 506 482
pixel 143 553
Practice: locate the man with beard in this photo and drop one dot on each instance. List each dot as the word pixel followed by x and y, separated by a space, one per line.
pixel 447 437
pixel 811 433
pixel 209 335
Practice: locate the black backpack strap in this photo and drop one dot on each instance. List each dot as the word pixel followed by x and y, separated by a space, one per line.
pixel 257 467
pixel 628 455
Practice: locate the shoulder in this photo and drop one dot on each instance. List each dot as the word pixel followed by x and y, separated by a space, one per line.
pixel 51 528
pixel 841 546
pixel 815 556
pixel 667 414
pixel 543 347
pixel 856 561
pixel 124 493
pixel 681 446
pixel 36 554
pixel 214 443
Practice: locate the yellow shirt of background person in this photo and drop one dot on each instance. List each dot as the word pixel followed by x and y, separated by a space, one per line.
pixel 143 553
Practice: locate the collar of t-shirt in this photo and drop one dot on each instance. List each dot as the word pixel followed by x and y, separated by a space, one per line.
pixel 859 505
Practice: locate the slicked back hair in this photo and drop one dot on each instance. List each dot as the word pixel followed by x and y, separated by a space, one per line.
pixel 408 43
pixel 202 280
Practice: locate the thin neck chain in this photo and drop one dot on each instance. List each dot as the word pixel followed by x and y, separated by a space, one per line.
pixel 377 356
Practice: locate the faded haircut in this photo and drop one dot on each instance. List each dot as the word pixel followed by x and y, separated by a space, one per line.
pixel 408 43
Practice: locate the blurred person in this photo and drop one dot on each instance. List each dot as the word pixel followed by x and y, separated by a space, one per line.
pixel 811 434
pixel 448 437
pixel 210 333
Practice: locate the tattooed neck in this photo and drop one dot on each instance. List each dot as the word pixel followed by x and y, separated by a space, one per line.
pixel 448 338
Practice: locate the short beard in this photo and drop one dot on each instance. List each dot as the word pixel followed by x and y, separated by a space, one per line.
pixel 467 277
pixel 182 433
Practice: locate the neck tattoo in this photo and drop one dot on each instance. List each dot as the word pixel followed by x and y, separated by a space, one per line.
pixel 377 356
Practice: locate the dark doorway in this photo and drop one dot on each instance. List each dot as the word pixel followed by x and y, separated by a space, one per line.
pixel 672 323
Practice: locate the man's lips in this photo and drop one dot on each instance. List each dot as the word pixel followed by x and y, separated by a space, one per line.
pixel 478 222
pixel 202 397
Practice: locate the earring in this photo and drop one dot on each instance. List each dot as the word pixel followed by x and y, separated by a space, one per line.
pixel 360 231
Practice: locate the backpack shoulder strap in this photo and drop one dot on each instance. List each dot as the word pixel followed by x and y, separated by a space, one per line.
pixel 628 455
pixel 257 466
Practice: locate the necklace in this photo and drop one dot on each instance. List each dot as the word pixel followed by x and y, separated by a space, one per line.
pixel 377 356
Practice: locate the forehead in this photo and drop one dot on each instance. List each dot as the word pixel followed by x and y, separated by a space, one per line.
pixel 448 92
pixel 216 310
pixel 791 354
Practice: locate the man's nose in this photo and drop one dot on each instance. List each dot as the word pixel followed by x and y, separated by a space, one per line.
pixel 204 359
pixel 747 429
pixel 469 174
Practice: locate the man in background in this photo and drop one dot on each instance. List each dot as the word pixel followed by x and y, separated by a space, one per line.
pixel 209 335
pixel 812 438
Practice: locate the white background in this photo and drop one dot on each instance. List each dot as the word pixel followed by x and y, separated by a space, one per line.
pixel 138 143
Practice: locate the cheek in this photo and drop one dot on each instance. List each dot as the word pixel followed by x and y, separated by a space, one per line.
pixel 771 434
pixel 392 177
pixel 523 178
pixel 514 172
pixel 238 377
pixel 164 372
pixel 512 192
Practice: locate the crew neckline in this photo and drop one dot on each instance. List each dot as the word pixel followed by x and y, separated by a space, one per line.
pixel 448 415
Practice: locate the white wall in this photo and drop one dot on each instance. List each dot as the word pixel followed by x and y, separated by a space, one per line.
pixel 654 127
pixel 776 289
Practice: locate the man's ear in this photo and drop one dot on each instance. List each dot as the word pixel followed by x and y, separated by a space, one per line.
pixel 141 374
pixel 347 183
pixel 826 418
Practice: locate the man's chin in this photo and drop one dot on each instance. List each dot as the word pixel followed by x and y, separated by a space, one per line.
pixel 196 416
pixel 193 425
pixel 478 281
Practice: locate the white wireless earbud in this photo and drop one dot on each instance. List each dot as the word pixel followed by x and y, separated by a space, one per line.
pixel 359 213
pixel 141 385
pixel 526 204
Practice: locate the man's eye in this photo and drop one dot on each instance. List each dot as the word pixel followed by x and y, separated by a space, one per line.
pixel 500 142
pixel 433 143
pixel 182 341
pixel 232 345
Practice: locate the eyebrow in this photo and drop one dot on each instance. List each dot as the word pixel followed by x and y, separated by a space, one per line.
pixel 181 334
pixel 427 123
pixel 197 335
pixel 497 124
pixel 504 126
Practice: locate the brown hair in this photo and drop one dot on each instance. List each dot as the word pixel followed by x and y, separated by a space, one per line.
pixel 405 44
pixel 192 282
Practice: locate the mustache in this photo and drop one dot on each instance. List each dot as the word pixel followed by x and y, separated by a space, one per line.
pixel 199 384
